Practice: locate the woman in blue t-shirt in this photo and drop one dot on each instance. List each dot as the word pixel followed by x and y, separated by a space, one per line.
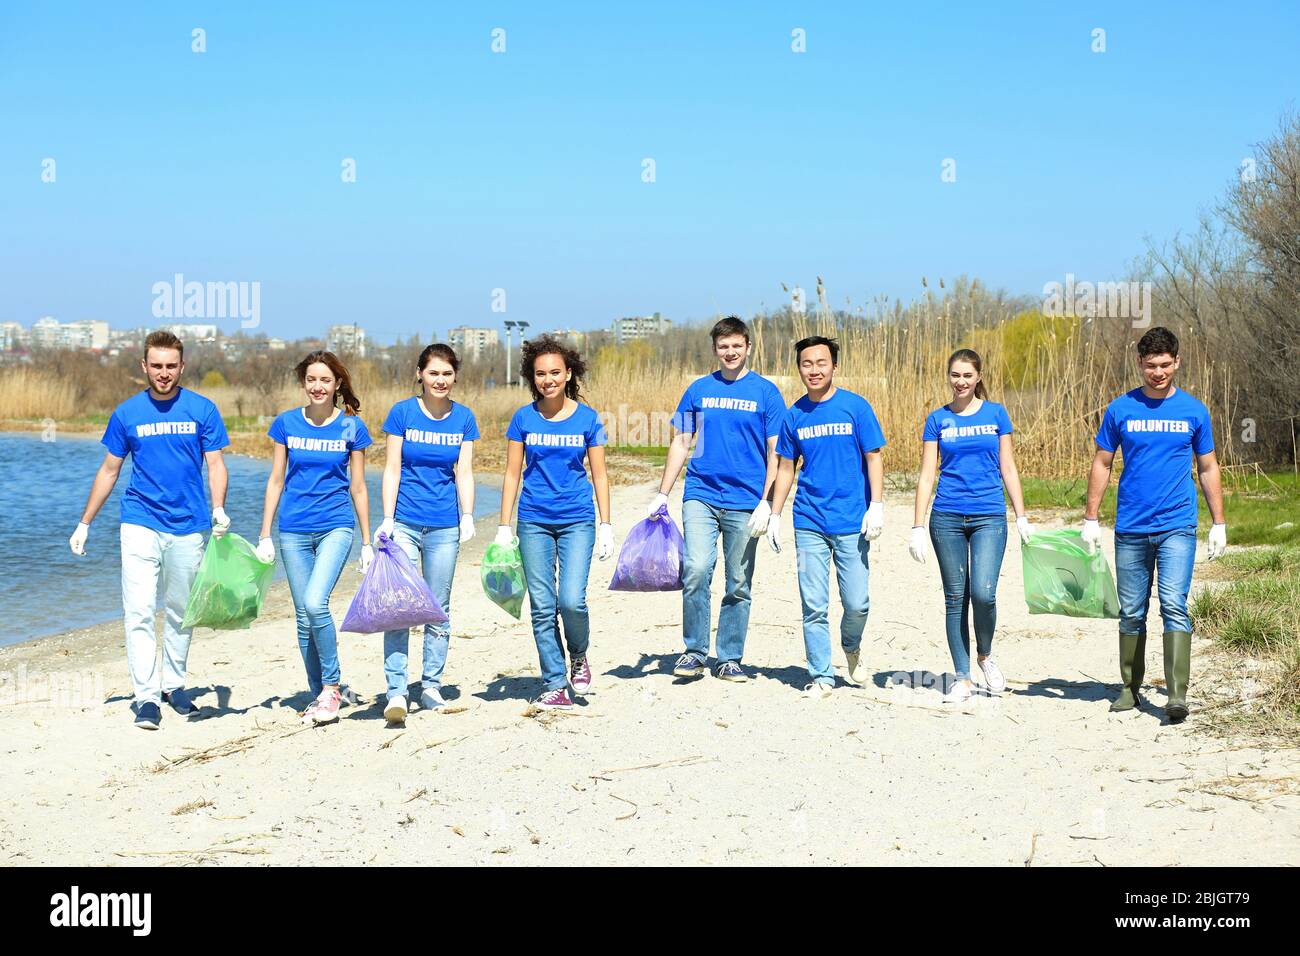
pixel 968 441
pixel 428 510
pixel 317 480
pixel 551 441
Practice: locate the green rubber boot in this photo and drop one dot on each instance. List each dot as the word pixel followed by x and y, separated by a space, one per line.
pixel 1178 670
pixel 1132 668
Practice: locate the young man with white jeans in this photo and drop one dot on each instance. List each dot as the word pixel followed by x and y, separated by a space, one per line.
pixel 169 432
pixel 1159 430
pixel 732 466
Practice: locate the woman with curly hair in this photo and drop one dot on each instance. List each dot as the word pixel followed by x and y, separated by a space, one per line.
pixel 552 440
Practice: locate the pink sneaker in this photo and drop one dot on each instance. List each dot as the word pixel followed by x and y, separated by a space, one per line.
pixel 580 675
pixel 326 708
pixel 555 700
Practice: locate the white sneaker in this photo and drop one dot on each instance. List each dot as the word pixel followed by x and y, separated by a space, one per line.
pixel 857 674
pixel 960 692
pixel 993 678
pixel 817 691
pixel 431 699
pixel 395 711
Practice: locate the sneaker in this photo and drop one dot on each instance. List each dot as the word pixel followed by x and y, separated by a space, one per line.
pixel 730 670
pixel 347 696
pixel 689 664
pixel 554 700
pixel 580 674
pixel 327 707
pixel 857 674
pixel 431 699
pixel 148 716
pixel 993 678
pixel 180 701
pixel 395 710
pixel 817 690
pixel 959 692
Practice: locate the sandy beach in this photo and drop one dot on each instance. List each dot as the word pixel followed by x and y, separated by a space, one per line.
pixel 648 769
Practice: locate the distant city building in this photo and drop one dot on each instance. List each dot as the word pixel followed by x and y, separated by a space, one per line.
pixel 11 336
pixel 639 327
pixel 471 342
pixel 276 345
pixel 191 334
pixel 575 338
pixel 349 339
pixel 50 333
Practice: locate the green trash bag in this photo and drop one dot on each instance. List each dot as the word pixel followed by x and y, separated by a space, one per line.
pixel 1061 577
pixel 230 587
pixel 503 577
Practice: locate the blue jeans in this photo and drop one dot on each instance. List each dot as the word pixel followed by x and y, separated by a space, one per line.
pixel 702 523
pixel 814 552
pixel 313 561
pixel 970 550
pixel 542 546
pixel 435 550
pixel 1170 554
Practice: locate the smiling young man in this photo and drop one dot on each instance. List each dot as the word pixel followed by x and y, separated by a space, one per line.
pixel 732 416
pixel 838 509
pixel 169 432
pixel 1159 429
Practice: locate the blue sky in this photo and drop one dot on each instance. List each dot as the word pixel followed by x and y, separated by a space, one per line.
pixel 523 170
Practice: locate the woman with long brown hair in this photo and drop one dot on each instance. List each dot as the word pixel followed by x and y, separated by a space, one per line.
pixel 319 463
pixel 968 442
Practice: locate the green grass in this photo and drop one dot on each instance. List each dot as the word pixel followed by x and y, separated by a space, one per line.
pixel 655 454
pixel 246 423
pixel 1256 613
pixel 1259 510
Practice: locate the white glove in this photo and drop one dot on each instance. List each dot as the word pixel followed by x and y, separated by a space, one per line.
pixel 78 540
pixel 467 529
pixel 1218 542
pixel 774 532
pixel 367 557
pixel 758 520
pixel 1091 535
pixel 505 536
pixel 919 544
pixel 266 551
pixel 1025 527
pixel 385 528
pixel 873 524
pixel 604 540
pixel 220 523
pixel 660 501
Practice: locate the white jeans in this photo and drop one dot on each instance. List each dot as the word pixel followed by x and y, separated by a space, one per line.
pixel 147 557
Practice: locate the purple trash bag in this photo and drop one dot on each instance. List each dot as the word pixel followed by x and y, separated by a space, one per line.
pixel 392 595
pixel 651 557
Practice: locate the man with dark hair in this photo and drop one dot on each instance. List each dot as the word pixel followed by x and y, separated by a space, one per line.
pixel 838 507
pixel 1159 429
pixel 733 416
pixel 169 432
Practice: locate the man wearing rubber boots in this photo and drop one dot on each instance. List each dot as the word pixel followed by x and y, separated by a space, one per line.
pixel 1158 429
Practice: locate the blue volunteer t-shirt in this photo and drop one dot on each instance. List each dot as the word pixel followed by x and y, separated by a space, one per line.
pixel 166 442
pixel 317 494
pixel 831 437
pixel 556 489
pixel 970 459
pixel 426 494
pixel 1157 439
pixel 728 465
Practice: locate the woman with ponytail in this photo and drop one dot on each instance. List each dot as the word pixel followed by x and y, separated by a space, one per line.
pixel 319 462
pixel 968 442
